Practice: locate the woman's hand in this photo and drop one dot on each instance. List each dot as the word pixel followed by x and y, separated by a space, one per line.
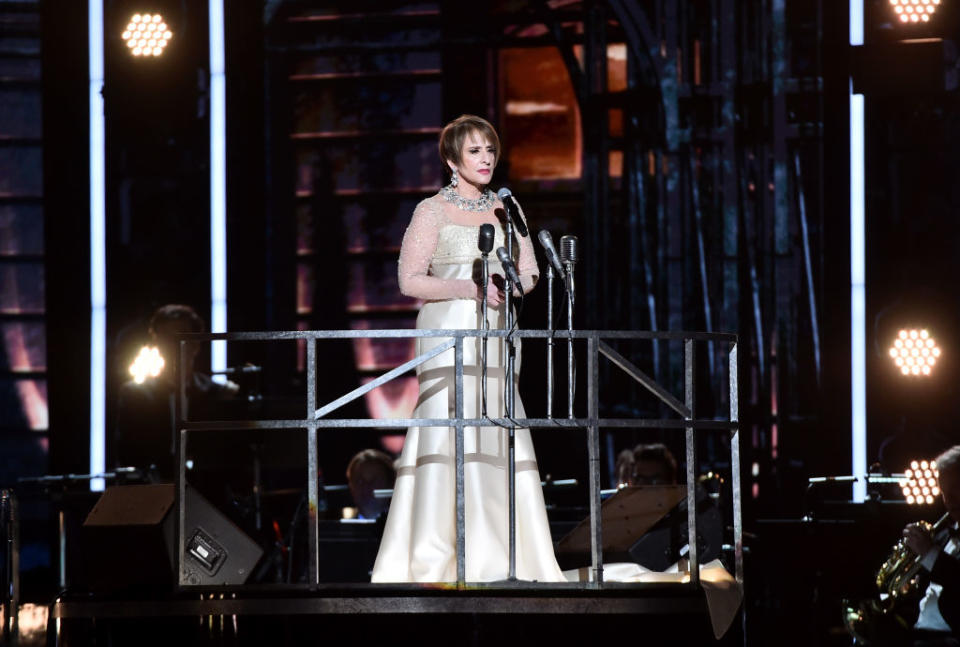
pixel 917 539
pixel 501 283
pixel 494 294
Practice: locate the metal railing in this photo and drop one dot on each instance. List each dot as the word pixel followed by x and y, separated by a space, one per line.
pixel 597 346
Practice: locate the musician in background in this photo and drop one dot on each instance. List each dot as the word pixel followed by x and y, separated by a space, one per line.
pixel 646 464
pixel 146 411
pixel 939 620
pixel 370 470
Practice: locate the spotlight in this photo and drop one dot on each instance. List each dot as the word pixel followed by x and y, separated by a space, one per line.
pixel 919 485
pixel 914 11
pixel 146 34
pixel 149 363
pixel 914 352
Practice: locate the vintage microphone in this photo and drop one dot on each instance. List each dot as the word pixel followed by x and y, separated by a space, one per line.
pixel 513 210
pixel 485 244
pixel 553 267
pixel 569 256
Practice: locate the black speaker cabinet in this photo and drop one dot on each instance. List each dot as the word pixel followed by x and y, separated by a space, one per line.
pixel 215 550
pixel 127 538
pixel 128 541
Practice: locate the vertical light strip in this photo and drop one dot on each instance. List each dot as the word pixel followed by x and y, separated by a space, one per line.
pixel 218 187
pixel 98 258
pixel 858 307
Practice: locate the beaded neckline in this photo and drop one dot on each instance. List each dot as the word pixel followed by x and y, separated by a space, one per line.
pixel 483 203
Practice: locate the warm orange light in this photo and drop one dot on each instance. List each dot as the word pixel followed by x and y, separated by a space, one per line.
pixel 919 482
pixel 914 352
pixel 149 362
pixel 914 11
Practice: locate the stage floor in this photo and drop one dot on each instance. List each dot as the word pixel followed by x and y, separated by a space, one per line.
pixel 489 614
pixel 495 599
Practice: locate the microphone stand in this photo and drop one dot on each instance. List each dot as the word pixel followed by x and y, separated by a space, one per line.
pixel 511 430
pixel 550 274
pixel 485 327
pixel 570 291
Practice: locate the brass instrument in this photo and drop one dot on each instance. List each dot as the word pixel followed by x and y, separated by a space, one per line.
pixel 898 580
pixel 897 576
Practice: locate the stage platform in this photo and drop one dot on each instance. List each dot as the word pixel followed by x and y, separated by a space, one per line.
pixel 488 614
pixel 496 599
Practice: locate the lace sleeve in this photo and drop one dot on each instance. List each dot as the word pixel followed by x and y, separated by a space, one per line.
pixel 527 264
pixel 416 252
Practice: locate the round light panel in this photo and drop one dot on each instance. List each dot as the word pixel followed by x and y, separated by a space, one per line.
pixel 146 34
pixel 915 352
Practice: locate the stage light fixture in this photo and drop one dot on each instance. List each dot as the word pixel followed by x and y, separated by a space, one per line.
pixel 914 352
pixel 146 34
pixel 920 484
pixel 149 363
pixel 914 11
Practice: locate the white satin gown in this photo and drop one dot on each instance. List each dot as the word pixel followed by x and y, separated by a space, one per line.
pixel 419 540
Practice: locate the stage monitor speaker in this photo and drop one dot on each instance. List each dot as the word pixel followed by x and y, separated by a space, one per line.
pixel 216 551
pixel 128 541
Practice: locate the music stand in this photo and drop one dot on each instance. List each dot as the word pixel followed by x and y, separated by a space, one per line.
pixel 625 517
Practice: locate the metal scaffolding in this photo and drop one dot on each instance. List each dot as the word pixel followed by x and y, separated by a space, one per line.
pixel 718 211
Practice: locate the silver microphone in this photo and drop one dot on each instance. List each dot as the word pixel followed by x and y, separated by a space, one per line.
pixel 508 266
pixel 513 210
pixel 568 250
pixel 568 255
pixel 547 241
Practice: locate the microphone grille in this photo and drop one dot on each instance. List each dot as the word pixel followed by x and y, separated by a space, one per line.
pixel 568 249
pixel 504 193
pixel 545 238
pixel 485 240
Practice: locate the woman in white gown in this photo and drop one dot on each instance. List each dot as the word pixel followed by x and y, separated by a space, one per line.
pixel 438 261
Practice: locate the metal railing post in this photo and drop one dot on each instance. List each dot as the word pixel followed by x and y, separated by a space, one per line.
pixel 735 463
pixel 593 452
pixel 458 442
pixel 689 398
pixel 313 482
pixel 181 413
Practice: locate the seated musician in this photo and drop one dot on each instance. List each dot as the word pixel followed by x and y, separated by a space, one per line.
pixel 939 620
pixel 146 412
pixel 370 470
pixel 646 464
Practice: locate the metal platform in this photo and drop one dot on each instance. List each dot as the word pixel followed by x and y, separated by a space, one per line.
pixel 392 614
pixel 598 345
pixel 493 599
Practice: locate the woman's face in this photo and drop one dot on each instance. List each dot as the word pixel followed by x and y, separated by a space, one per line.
pixel 478 157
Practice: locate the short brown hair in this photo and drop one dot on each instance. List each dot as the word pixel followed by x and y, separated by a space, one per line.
pixel 657 453
pixel 373 456
pixel 175 312
pixel 949 461
pixel 455 133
